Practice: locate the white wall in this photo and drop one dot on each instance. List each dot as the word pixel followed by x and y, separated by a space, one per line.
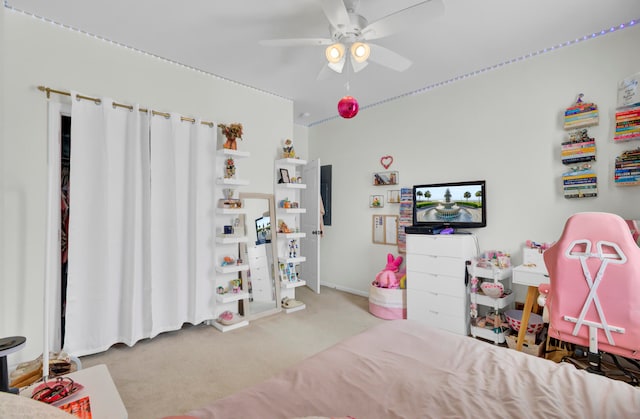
pixel 504 126
pixel 38 53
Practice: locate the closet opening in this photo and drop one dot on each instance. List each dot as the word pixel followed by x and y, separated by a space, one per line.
pixel 65 164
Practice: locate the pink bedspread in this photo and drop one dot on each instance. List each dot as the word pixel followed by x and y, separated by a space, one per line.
pixel 403 369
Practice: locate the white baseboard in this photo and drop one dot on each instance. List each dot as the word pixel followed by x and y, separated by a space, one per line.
pixel 345 289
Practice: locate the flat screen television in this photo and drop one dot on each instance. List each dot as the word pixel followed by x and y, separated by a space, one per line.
pixel 263 230
pixel 450 204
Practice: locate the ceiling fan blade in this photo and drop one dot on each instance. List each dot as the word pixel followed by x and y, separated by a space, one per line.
pixel 336 12
pixel 337 67
pixel 325 72
pixel 410 17
pixel 356 65
pixel 295 42
pixel 386 57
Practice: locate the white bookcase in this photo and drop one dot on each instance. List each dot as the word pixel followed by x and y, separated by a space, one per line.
pixel 287 195
pixel 228 244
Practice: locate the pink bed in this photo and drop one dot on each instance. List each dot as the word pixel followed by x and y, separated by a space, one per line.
pixel 404 369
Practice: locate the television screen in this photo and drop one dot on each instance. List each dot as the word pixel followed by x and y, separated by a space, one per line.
pixel 263 230
pixel 452 204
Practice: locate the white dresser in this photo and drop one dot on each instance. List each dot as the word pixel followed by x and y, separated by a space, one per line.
pixel 262 286
pixel 437 292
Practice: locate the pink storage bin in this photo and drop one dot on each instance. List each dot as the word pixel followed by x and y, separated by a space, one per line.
pixel 388 303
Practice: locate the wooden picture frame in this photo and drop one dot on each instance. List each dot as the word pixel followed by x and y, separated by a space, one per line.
pixel 284 176
pixel 385 178
pixel 393 196
pixel 376 201
pixel 385 229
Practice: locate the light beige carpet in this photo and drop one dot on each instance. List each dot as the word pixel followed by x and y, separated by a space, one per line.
pixel 182 370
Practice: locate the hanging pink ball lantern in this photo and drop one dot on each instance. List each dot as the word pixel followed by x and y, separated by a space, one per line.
pixel 348 107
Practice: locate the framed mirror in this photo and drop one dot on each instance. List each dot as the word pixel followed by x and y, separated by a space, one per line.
pixel 260 252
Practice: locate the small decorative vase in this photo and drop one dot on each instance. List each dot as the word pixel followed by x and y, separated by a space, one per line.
pixel 230 144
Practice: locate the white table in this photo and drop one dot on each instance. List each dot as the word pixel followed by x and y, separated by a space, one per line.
pixel 531 276
pixel 98 385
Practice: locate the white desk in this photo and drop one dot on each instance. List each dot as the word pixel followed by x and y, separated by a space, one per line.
pixel 103 396
pixel 531 277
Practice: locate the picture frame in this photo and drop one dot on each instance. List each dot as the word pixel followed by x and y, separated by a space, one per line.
pixel 385 178
pixel 393 196
pixel 376 201
pixel 284 176
pixel 385 229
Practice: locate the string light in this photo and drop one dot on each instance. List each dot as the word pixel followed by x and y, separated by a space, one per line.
pixel 499 65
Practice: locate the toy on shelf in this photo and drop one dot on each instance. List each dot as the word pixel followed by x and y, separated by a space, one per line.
pixel 236 286
pixel 391 275
pixel 228 260
pixel 293 248
pixel 230 168
pixel 231 132
pixel 494 258
pixel 287 150
pixel 283 227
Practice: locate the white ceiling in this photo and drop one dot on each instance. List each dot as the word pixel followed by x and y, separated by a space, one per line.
pixel 221 37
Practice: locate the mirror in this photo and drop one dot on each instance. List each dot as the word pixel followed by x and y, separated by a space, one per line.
pixel 260 252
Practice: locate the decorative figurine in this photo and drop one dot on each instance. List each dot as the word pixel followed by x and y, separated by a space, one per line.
pixel 287 150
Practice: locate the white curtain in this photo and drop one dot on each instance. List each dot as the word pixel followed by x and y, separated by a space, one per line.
pixel 140 225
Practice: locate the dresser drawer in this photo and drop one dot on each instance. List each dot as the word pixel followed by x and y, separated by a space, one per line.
pixel 461 246
pixel 444 265
pixel 440 284
pixel 441 303
pixel 426 309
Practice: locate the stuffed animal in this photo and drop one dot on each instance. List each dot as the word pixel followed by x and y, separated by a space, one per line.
pixel 544 289
pixel 388 277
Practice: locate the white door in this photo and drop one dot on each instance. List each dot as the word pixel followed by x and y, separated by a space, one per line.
pixel 310 225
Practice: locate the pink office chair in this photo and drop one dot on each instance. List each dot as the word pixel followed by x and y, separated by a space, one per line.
pixel 594 300
pixel 633 226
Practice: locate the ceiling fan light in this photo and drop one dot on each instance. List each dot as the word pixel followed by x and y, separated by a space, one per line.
pixel 334 53
pixel 360 51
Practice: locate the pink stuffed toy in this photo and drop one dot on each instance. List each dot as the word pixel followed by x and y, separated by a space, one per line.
pixel 387 278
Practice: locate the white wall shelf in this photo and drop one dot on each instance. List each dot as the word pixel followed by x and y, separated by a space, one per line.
pixel 292 186
pixel 295 162
pixel 233 153
pixel 227 328
pixel 230 297
pixel 231 182
pixel 289 191
pixel 291 235
pixel 298 259
pixel 229 245
pixel 291 210
pixel 230 211
pixel 229 239
pixel 228 269
pixel 292 284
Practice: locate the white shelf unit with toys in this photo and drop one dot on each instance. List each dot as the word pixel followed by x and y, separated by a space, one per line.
pixel 231 271
pixel 288 209
pixel 492 273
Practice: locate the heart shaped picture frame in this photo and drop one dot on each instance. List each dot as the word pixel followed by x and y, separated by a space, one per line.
pixel 386 161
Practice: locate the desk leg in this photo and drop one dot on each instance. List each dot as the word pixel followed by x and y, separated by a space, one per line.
pixel 532 295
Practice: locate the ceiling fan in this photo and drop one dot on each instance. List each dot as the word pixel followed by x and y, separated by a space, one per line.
pixel 350 34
